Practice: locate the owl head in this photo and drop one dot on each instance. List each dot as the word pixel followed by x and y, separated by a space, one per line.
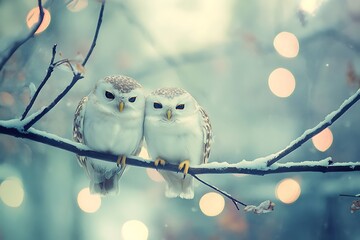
pixel 121 95
pixel 170 105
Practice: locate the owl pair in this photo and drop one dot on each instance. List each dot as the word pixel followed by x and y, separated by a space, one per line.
pixel 116 116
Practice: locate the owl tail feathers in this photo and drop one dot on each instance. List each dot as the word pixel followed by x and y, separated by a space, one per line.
pixel 179 187
pixel 106 187
pixel 170 193
pixel 105 181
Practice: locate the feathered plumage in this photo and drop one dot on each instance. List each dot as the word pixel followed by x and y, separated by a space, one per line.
pixel 110 119
pixel 177 130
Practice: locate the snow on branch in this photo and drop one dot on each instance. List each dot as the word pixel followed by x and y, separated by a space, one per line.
pixel 308 134
pixel 253 167
pixel 23 128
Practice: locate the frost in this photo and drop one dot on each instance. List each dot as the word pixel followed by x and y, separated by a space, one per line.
pixel 32 89
pixel 264 207
pixel 355 206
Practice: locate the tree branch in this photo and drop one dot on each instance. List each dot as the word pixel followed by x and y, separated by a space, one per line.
pixel 75 79
pixel 15 128
pixel 308 134
pixel 45 110
pixel 235 201
pixel 20 42
pixel 96 33
pixel 47 76
pixel 22 128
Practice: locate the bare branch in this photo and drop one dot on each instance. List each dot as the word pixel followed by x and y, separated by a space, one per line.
pixel 235 201
pixel 75 78
pixel 308 134
pixel 15 45
pixel 96 33
pixel 349 195
pixel 47 76
pixel 45 110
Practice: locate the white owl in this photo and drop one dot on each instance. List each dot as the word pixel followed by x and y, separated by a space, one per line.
pixel 110 119
pixel 177 130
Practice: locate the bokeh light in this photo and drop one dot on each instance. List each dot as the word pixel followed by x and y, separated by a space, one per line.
pixel 212 204
pixel 286 44
pixel 88 202
pixel 323 140
pixel 310 6
pixel 12 192
pixel 281 82
pixel 134 230
pixel 6 99
pixel 288 190
pixel 33 17
pixel 76 5
pixel 144 153
pixel 154 175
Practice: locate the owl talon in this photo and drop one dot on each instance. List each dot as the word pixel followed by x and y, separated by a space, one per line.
pixel 121 161
pixel 184 165
pixel 159 161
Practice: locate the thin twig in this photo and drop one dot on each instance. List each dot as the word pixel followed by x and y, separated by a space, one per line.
pixel 234 200
pixel 48 74
pixel 308 134
pixel 96 33
pixel 20 42
pixel 75 78
pixel 45 110
pixel 65 61
pixel 349 195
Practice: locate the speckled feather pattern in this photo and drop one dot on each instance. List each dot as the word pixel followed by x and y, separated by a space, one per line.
pixel 169 92
pixel 174 92
pixel 78 126
pixel 207 134
pixel 105 131
pixel 123 84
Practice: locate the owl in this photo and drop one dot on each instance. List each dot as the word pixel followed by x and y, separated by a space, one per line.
pixel 177 130
pixel 110 119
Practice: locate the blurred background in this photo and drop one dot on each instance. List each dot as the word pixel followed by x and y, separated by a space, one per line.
pixel 265 71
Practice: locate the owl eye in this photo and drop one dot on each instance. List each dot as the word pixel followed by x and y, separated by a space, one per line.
pixel 180 106
pixel 157 105
pixel 109 95
pixel 132 99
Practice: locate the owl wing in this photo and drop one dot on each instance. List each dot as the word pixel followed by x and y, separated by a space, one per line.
pixel 207 134
pixel 78 128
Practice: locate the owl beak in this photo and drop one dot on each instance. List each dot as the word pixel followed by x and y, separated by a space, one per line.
pixel 168 114
pixel 121 106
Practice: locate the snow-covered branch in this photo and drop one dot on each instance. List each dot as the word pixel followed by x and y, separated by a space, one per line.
pixel 253 167
pixel 308 134
pixel 23 128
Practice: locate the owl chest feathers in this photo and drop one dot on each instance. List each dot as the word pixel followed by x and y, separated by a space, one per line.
pixel 112 133
pixel 175 141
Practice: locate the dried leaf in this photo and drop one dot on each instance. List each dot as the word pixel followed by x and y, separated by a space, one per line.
pixel 355 206
pixel 64 65
pixel 80 68
pixel 264 207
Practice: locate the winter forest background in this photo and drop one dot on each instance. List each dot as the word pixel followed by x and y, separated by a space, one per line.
pixel 265 71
